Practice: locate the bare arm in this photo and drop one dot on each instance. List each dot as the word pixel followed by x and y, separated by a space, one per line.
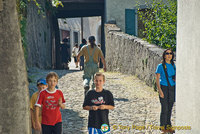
pixel 78 57
pixel 32 118
pixel 104 63
pixel 158 85
pixel 61 104
pixel 37 122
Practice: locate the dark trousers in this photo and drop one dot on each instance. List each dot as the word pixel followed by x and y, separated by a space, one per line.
pixel 49 129
pixel 166 106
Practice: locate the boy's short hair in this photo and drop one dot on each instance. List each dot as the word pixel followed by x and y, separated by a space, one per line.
pixel 41 81
pixel 100 74
pixel 52 74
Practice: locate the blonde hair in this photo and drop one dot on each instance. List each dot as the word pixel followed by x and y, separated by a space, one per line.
pixel 100 74
pixel 52 74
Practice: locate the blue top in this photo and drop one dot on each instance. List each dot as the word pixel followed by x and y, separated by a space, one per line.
pixel 170 72
pixel 81 45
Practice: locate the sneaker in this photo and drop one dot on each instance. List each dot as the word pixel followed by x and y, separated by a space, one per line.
pixel 171 131
pixel 163 131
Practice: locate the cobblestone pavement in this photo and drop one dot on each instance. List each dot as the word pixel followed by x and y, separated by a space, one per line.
pixel 137 107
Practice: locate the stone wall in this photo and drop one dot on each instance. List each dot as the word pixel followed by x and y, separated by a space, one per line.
pixel 131 55
pixel 38 35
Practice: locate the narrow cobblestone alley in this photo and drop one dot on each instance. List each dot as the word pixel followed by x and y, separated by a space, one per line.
pixel 137 107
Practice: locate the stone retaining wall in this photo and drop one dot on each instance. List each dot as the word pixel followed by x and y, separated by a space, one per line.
pixel 131 55
pixel 38 35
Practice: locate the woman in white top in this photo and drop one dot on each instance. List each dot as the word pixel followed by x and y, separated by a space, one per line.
pixel 75 53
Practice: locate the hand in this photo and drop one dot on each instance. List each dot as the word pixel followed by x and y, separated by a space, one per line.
pixel 102 107
pixel 95 108
pixel 161 94
pixel 38 126
pixel 104 68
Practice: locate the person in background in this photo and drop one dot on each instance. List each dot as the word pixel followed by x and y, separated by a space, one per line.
pixel 165 81
pixel 75 53
pixel 65 53
pixel 91 53
pixel 41 84
pixel 84 42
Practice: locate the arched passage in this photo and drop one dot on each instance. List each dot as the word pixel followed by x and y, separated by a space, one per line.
pixel 71 9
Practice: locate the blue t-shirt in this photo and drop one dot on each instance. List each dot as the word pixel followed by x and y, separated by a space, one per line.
pixel 170 71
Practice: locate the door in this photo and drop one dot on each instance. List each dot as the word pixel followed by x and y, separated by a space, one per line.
pixel 130 21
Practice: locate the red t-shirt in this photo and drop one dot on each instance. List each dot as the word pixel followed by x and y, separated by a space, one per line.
pixel 50 110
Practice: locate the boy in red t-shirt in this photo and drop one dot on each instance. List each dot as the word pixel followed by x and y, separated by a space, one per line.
pixel 51 100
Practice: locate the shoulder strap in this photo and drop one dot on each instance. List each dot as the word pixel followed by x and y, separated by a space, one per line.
pixel 88 50
pixel 164 67
pixel 174 68
pixel 93 51
pixel 91 56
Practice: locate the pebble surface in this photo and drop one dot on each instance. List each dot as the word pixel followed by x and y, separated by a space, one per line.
pixel 137 106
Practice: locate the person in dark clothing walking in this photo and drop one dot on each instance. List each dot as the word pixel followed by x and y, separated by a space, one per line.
pixel 65 53
pixel 84 42
pixel 165 80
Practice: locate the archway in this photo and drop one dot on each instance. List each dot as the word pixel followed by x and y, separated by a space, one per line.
pixel 76 8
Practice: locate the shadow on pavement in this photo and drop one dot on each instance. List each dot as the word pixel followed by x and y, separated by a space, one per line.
pixel 121 99
pixel 64 72
pixel 72 122
pixel 35 73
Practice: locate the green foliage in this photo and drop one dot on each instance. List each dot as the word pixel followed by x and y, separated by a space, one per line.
pixel 57 3
pixel 48 6
pixel 22 14
pixel 160 19
pixel 41 9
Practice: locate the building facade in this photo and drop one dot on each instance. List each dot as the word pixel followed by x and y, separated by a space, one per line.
pixel 124 13
pixel 71 28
